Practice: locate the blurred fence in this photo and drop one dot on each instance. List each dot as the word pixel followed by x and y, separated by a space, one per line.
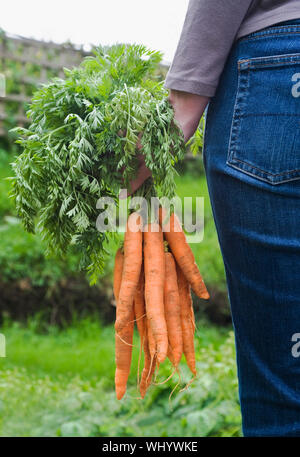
pixel 26 63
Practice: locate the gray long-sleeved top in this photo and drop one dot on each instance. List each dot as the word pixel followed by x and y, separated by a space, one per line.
pixel 210 28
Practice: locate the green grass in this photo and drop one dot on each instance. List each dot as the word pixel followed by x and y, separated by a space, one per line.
pixel 60 383
pixel 84 348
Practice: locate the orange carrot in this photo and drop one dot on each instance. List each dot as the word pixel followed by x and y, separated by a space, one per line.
pixel 182 252
pixel 140 315
pixel 123 339
pixel 154 266
pixel 118 269
pixel 131 271
pixel 139 307
pixel 187 324
pixel 146 370
pixel 151 340
pixel 170 356
pixel 172 309
pixel 193 318
pixel 149 362
pixel 123 343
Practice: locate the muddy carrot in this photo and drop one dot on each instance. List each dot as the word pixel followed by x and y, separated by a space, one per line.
pixel 172 308
pixel 123 339
pixel 154 266
pixel 131 271
pixel 187 324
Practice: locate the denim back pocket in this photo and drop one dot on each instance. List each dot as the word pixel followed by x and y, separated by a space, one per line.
pixel 265 132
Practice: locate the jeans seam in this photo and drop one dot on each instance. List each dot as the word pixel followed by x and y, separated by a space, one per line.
pixel 269 64
pixel 271 33
pixel 271 114
pixel 234 128
pixel 267 172
pixel 266 180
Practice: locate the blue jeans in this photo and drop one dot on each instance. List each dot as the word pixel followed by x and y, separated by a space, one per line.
pixel 252 162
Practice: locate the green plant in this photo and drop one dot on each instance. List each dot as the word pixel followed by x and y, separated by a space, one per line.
pixel 60 383
pixel 196 141
pixel 82 145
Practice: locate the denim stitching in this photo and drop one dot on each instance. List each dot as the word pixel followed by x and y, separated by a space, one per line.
pixel 272 114
pixel 267 172
pixel 272 34
pixel 237 114
pixel 256 176
pixel 274 31
pixel 280 59
pixel 229 152
pixel 253 65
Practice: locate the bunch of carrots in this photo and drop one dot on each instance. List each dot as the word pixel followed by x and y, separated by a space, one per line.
pixel 153 276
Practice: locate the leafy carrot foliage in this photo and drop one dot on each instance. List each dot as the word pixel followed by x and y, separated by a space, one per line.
pixel 82 145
